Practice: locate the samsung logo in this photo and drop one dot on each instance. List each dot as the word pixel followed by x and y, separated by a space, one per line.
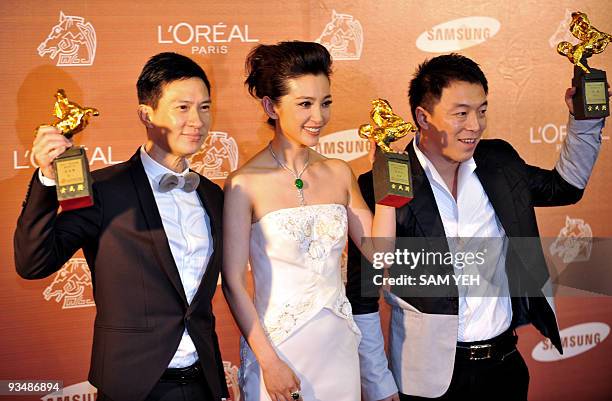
pixel 345 145
pixel 575 340
pixel 458 34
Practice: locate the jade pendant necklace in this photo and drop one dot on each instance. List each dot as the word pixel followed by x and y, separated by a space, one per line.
pixel 299 184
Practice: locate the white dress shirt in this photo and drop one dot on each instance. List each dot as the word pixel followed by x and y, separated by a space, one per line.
pixel 471 215
pixel 187 228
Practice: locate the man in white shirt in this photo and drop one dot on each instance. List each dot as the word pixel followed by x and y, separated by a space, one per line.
pixel 152 241
pixel 455 346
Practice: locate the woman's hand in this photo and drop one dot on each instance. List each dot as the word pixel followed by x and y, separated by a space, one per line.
pixel 280 380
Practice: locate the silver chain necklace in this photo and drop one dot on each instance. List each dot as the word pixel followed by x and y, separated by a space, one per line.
pixel 299 184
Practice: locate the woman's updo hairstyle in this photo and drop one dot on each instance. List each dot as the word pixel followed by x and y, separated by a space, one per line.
pixel 269 67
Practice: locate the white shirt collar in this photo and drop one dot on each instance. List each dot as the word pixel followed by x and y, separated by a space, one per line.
pixel 466 168
pixel 153 169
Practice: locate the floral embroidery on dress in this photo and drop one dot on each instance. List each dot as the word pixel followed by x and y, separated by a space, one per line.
pixel 316 229
pixel 279 326
pixel 342 308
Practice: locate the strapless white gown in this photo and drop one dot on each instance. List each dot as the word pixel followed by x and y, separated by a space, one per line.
pixel 295 259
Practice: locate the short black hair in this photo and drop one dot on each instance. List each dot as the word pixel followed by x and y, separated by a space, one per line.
pixel 432 76
pixel 269 67
pixel 162 69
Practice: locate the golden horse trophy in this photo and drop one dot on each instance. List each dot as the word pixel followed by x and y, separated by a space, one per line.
pixel 72 117
pixel 72 175
pixel 591 98
pixel 391 171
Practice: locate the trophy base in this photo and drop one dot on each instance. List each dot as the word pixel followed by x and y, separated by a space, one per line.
pixel 76 203
pixel 392 179
pixel 73 179
pixel 591 98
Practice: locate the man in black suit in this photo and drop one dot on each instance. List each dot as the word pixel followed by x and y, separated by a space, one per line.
pixel 152 241
pixel 452 346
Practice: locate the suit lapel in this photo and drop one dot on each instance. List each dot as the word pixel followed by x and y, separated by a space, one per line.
pixel 423 205
pixel 498 190
pixel 213 213
pixel 156 228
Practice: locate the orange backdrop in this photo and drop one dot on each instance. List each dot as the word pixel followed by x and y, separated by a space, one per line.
pixel 95 50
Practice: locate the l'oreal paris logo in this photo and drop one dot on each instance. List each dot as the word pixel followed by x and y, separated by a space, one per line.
pixel 205 38
pixel 458 34
pixel 576 340
pixel 551 133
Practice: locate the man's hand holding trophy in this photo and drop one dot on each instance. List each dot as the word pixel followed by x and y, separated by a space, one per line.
pixel 70 166
pixel 591 97
pixel 391 171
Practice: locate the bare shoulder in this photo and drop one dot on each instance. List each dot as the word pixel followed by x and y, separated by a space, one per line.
pixel 238 190
pixel 249 170
pixel 337 167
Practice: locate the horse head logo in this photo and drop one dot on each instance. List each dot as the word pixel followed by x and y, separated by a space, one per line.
pixel 73 40
pixel 219 150
pixel 69 284
pixel 563 31
pixel 574 242
pixel 343 37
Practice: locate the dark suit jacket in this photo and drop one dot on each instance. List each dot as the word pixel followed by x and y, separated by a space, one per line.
pixel 141 306
pixel 514 189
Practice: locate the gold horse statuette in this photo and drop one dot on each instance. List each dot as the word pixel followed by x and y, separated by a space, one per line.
pixel 72 117
pixel 592 41
pixel 389 126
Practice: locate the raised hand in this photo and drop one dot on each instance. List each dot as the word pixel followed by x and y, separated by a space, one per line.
pixel 48 144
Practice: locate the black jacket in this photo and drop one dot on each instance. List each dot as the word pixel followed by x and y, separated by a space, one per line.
pixel 141 306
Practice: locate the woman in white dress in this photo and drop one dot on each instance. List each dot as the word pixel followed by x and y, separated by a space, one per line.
pixel 289 210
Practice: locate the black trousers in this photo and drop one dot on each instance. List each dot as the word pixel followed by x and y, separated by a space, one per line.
pixel 173 391
pixel 489 379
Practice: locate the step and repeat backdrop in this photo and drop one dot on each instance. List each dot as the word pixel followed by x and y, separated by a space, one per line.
pixel 95 50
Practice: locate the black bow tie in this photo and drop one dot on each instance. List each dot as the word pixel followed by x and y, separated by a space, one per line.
pixel 188 182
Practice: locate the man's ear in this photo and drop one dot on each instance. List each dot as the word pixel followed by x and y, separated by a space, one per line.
pixel 269 108
pixel 144 113
pixel 421 117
